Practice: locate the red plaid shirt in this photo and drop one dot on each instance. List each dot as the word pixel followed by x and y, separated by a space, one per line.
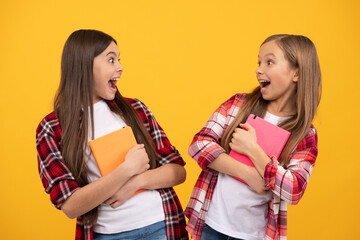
pixel 60 183
pixel 288 185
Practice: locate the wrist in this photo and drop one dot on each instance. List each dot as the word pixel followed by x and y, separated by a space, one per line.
pixel 128 168
pixel 139 181
pixel 250 173
pixel 121 173
pixel 252 150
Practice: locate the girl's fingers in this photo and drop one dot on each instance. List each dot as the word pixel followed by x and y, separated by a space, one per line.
pixel 109 201
pixel 112 203
pixel 115 204
pixel 138 146
pixel 247 127
pixel 244 125
pixel 135 148
pixel 237 130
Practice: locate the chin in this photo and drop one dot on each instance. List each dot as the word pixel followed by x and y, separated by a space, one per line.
pixel 109 97
pixel 264 96
pixel 267 97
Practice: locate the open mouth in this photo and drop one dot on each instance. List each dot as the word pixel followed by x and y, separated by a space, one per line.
pixel 112 83
pixel 264 83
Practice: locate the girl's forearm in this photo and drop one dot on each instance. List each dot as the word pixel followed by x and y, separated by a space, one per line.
pixel 165 176
pixel 226 164
pixel 259 158
pixel 93 194
pixel 90 196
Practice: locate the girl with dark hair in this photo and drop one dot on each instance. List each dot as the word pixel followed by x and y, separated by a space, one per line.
pixel 288 95
pixel 88 105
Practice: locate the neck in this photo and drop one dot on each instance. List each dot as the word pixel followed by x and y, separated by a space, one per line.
pixel 282 109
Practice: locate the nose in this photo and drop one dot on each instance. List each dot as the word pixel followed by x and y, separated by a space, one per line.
pixel 259 70
pixel 119 67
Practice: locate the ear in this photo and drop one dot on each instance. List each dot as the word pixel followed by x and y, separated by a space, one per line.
pixel 296 75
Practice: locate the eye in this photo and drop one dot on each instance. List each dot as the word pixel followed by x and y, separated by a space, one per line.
pixel 111 60
pixel 269 62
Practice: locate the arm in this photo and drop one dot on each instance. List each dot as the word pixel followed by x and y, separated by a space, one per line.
pixel 288 183
pixel 164 176
pixel 58 181
pixel 226 164
pixel 206 150
pixel 244 141
pixel 170 170
pixel 93 194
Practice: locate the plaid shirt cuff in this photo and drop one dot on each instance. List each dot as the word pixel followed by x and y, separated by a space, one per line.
pixel 270 173
pixel 62 191
pixel 210 155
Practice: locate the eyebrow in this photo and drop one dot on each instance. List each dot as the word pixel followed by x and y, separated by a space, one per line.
pixel 269 54
pixel 111 53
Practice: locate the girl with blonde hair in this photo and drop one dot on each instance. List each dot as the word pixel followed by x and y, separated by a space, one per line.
pixel 288 95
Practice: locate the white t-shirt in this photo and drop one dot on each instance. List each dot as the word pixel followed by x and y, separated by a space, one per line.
pixel 141 210
pixel 235 209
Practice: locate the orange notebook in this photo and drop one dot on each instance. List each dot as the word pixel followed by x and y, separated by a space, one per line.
pixel 110 150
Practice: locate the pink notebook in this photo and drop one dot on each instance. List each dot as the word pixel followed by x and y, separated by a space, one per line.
pixel 270 137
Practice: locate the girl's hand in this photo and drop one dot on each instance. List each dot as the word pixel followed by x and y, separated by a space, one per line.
pixel 137 159
pixel 124 193
pixel 244 139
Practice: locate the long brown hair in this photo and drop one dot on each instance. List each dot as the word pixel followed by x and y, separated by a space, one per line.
pixel 300 53
pixel 73 105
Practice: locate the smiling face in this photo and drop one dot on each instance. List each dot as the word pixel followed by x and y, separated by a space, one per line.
pixel 107 71
pixel 276 78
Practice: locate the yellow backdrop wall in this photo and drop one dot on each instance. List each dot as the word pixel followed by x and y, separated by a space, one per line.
pixel 182 59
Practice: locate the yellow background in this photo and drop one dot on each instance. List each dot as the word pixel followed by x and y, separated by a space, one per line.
pixel 182 59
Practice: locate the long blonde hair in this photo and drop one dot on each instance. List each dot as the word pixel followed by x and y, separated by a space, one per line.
pixel 300 53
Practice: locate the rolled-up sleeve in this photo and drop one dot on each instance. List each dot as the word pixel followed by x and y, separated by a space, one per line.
pixel 55 176
pixel 290 183
pixel 205 146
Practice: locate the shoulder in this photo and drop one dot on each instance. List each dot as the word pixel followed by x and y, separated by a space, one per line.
pixel 241 96
pixel 135 102
pixel 141 109
pixel 48 128
pixel 138 105
pixel 234 102
pixel 132 100
pixel 237 99
pixel 310 141
pixel 312 131
pixel 49 124
pixel 311 135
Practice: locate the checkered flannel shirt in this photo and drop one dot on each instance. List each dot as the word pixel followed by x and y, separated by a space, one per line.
pixel 288 184
pixel 60 183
